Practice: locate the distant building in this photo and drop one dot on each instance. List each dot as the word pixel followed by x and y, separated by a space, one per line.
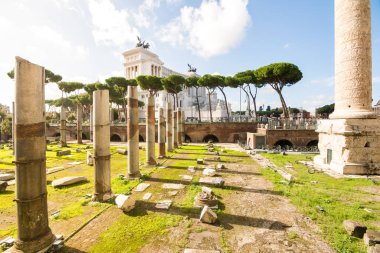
pixel 376 107
pixel 140 61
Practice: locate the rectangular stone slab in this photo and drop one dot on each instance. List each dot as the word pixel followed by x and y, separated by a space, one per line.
pixel 147 196
pixel 55 169
pixel 173 186
pixel 142 187
pixel 75 163
pixel 68 181
pixel 217 181
pixel 186 177
pixel 164 204
pixel 64 152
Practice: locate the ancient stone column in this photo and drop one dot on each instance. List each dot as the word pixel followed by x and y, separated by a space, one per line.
pixel 79 123
pixel 179 126
pixel 150 131
pixel 169 128
pixel 63 127
pixel 102 146
pixel 33 232
pixel 91 124
pixel 353 60
pixel 13 128
pixel 175 130
pixel 133 133
pixel 161 133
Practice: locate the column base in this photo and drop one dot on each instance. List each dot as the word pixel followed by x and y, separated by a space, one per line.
pixel 102 197
pixel 349 146
pixel 134 176
pixel 40 245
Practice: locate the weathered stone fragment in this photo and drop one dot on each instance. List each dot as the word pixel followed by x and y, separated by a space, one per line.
pixel 55 169
pixel 164 204
pixel 122 151
pixel 89 159
pixel 125 203
pixel 209 172
pixel 173 186
pixel 371 237
pixel 142 187
pixel 3 186
pixel 199 161
pixel 217 181
pixel 64 152
pixel 220 166
pixel 6 176
pixel 354 228
pixel 208 216
pixel 68 181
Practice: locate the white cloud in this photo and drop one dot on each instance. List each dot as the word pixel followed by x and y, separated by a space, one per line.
pixel 312 102
pixel 144 16
pixel 287 45
pixel 111 26
pixel 212 29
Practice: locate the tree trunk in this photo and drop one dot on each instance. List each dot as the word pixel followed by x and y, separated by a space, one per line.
pixel 199 109
pixel 209 104
pixel 253 99
pixel 225 102
pixel 248 102
pixel 283 103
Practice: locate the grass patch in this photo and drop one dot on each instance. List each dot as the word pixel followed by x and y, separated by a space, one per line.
pixel 130 232
pixel 341 199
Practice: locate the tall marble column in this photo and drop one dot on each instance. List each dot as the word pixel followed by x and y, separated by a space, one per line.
pixel 91 124
pixel 133 133
pixel 102 154
pixel 169 128
pixel 353 60
pixel 150 131
pixel 349 141
pixel 175 130
pixel 79 123
pixel 179 127
pixel 63 139
pixel 161 133
pixel 33 232
pixel 13 128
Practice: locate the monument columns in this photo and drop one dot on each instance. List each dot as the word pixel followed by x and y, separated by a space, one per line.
pixel 353 60
pixel 79 123
pixel 175 129
pixel 161 132
pixel 169 127
pixel 179 126
pixel 150 131
pixel 102 146
pixel 63 127
pixel 133 133
pixel 349 141
pixel 33 232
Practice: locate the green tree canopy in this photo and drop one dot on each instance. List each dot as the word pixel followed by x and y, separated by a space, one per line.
pixel 50 77
pixel 69 87
pixel 278 76
pixel 152 84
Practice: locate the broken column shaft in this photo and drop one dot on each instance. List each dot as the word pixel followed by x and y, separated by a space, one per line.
pixel 175 130
pixel 179 126
pixel 79 123
pixel 33 232
pixel 161 133
pixel 102 146
pixel 133 133
pixel 150 131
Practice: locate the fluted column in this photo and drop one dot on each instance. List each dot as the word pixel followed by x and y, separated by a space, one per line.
pixel 79 123
pixel 169 127
pixel 175 130
pixel 353 60
pixel 179 126
pixel 150 131
pixel 63 127
pixel 133 133
pixel 161 132
pixel 33 232
pixel 102 146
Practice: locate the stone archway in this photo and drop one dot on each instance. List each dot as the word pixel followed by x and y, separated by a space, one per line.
pixel 115 138
pixel 141 138
pixel 187 138
pixel 313 143
pixel 210 137
pixel 283 143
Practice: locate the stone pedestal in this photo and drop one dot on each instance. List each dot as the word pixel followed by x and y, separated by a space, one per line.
pixel 175 130
pixel 169 127
pixel 150 131
pixel 102 146
pixel 133 133
pixel 349 146
pixel 63 127
pixel 33 232
pixel 161 133
pixel 79 123
pixel 350 140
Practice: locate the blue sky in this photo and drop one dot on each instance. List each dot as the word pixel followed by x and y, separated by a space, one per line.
pixel 83 40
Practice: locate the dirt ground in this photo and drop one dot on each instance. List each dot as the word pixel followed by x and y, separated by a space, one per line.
pixel 255 219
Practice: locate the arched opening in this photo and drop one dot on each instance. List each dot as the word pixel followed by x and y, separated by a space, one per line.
pixel 210 137
pixel 57 135
pixel 283 143
pixel 115 138
pixel 313 143
pixel 141 139
pixel 84 137
pixel 187 138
